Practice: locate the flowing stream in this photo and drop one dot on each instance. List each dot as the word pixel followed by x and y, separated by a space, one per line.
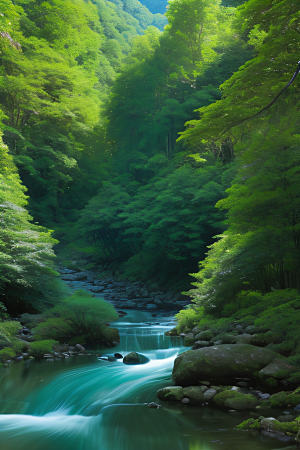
pixel 82 403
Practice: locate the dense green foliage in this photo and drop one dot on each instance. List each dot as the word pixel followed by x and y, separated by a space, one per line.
pixel 260 248
pixel 154 214
pixel 80 317
pixel 94 97
pixel 25 248
pixel 274 316
pixel 53 81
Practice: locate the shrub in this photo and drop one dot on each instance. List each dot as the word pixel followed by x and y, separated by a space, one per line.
pixel 6 353
pixel 8 329
pixel 188 319
pixel 53 328
pixel 39 348
pixel 78 315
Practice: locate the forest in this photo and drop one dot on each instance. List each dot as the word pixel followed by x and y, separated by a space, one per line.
pixel 140 141
pixel 124 146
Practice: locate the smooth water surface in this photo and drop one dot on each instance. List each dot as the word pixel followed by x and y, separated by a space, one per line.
pixel 82 403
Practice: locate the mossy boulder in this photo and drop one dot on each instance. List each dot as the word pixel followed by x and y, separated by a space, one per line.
pixel 235 400
pixel 225 337
pixel 206 335
pixel 285 399
pixel 195 394
pixel 252 329
pixel 271 424
pixel 220 364
pixel 135 358
pixel 258 340
pixel 188 340
pixel 170 393
pixel 278 368
pixel 197 329
pixel 201 344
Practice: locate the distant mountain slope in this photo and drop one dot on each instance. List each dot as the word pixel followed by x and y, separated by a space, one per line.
pixel 159 6
pixel 156 6
pixel 141 12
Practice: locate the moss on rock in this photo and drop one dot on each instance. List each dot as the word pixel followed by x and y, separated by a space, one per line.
pixel 235 400
pixel 206 335
pixel 272 424
pixel 249 424
pixel 220 364
pixel 171 393
pixel 283 399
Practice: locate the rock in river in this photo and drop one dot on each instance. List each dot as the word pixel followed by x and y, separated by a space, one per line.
pixel 135 358
pixel 220 364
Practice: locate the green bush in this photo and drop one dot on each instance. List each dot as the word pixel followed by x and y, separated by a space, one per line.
pixel 285 399
pixel 188 319
pixel 39 348
pixel 53 328
pixel 6 353
pixel 8 329
pixel 78 315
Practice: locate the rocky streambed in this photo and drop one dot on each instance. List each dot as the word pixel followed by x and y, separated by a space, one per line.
pixel 239 369
pixel 123 294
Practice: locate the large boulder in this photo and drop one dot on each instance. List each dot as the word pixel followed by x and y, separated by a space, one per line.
pixel 220 364
pixel 135 358
pixel 206 335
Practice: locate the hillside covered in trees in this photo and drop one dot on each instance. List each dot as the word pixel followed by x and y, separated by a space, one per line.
pixel 124 133
pixel 149 167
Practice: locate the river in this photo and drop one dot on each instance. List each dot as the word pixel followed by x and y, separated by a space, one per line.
pixel 82 403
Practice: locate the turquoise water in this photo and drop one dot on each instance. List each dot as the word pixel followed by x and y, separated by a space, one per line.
pixel 82 403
